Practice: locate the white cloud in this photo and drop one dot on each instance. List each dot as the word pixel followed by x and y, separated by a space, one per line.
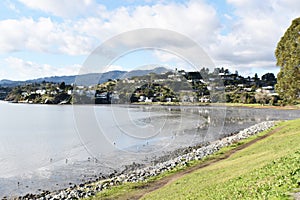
pixel 194 19
pixel 42 35
pixel 65 8
pixel 18 69
pixel 257 28
pixel 11 6
pixel 166 56
pixel 112 68
pixel 228 16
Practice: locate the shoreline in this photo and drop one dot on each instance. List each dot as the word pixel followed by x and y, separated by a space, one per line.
pixel 137 174
pixel 172 104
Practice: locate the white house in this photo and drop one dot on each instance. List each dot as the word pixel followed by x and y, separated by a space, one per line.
pixel 41 92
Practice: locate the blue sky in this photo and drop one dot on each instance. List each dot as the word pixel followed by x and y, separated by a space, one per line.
pixel 55 37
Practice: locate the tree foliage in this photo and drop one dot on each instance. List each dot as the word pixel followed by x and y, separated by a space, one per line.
pixel 288 58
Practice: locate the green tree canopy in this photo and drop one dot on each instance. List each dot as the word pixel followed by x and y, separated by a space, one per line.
pixel 288 58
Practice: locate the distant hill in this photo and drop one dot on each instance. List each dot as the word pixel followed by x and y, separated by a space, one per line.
pixel 157 70
pixel 6 82
pixel 87 79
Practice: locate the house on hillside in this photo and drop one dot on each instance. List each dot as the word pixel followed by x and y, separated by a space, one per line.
pixel 228 77
pixel 204 99
pixel 41 92
pixel 187 96
pixel 268 89
pixel 102 98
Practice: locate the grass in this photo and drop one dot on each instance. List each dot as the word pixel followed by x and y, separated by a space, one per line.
pixel 255 105
pixel 268 169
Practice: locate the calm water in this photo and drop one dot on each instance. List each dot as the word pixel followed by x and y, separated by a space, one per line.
pixel 49 147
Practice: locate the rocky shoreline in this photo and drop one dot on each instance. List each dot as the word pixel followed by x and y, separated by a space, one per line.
pixel 141 174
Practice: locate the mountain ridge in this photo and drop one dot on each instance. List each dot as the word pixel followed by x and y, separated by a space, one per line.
pixel 86 79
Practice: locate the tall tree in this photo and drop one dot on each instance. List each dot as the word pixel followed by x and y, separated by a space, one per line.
pixel 256 77
pixel 62 86
pixel 268 77
pixel 288 58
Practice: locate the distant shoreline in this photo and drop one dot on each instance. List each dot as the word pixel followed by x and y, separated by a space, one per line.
pixel 171 104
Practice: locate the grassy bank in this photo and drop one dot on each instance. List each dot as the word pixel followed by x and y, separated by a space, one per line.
pixel 268 169
pixel 287 107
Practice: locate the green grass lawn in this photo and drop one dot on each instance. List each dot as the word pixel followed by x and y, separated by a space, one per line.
pixel 268 169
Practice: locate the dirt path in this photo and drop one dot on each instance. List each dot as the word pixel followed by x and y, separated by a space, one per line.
pixel 150 187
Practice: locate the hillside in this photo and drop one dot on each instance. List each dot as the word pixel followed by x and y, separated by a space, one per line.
pixel 146 86
pixel 87 78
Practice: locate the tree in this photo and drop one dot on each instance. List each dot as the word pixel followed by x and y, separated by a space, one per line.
pixel 268 77
pixel 204 72
pixel 216 71
pixel 262 98
pixel 255 77
pixel 62 86
pixel 226 71
pixel 288 59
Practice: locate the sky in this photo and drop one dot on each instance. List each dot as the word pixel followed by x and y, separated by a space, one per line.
pixel 56 37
